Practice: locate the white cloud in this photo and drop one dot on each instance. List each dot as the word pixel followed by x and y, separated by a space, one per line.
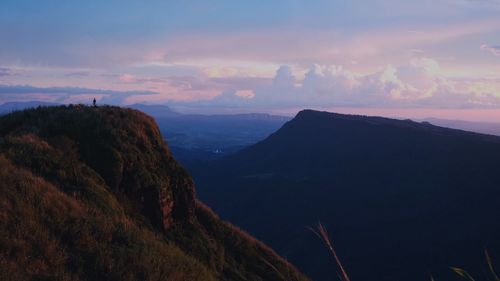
pixel 495 50
pixel 246 94
pixel 64 94
pixel 6 71
pixel 418 83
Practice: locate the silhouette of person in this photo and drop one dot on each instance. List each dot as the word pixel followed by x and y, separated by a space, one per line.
pixel 95 102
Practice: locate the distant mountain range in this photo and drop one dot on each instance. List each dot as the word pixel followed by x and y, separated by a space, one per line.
pixel 203 137
pixel 196 137
pixel 488 128
pixel 401 199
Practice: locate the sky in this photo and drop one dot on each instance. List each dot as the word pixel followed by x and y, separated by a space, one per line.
pixel 427 58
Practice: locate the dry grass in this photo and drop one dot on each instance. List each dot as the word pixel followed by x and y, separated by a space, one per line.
pixel 94 194
pixel 465 275
pixel 47 234
pixel 237 242
pixel 322 233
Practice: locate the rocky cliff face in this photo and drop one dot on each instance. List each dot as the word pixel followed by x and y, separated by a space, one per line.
pixel 124 147
pixel 113 165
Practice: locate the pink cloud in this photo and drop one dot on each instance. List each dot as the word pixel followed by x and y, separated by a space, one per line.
pixel 417 83
pixel 128 78
pixel 495 50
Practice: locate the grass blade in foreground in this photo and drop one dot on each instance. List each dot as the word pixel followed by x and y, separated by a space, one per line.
pixel 321 232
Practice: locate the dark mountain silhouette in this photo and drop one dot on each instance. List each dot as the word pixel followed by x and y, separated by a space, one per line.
pixel 157 111
pixel 93 193
pixel 401 199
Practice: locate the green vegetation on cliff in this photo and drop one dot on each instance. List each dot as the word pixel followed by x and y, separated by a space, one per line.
pixel 94 194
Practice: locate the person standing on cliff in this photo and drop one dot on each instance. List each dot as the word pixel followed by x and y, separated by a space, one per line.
pixel 94 102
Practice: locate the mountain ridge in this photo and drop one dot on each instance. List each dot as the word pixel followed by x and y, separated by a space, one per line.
pixel 388 190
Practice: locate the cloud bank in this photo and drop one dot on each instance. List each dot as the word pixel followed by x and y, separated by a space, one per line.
pixel 64 94
pixel 6 71
pixel 418 83
pixel 495 50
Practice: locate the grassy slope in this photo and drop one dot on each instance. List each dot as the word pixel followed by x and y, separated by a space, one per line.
pixel 47 234
pixel 94 194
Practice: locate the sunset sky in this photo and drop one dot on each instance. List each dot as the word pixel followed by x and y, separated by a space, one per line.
pixel 396 58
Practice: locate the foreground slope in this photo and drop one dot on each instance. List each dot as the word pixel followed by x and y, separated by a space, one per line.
pixel 94 194
pixel 401 199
